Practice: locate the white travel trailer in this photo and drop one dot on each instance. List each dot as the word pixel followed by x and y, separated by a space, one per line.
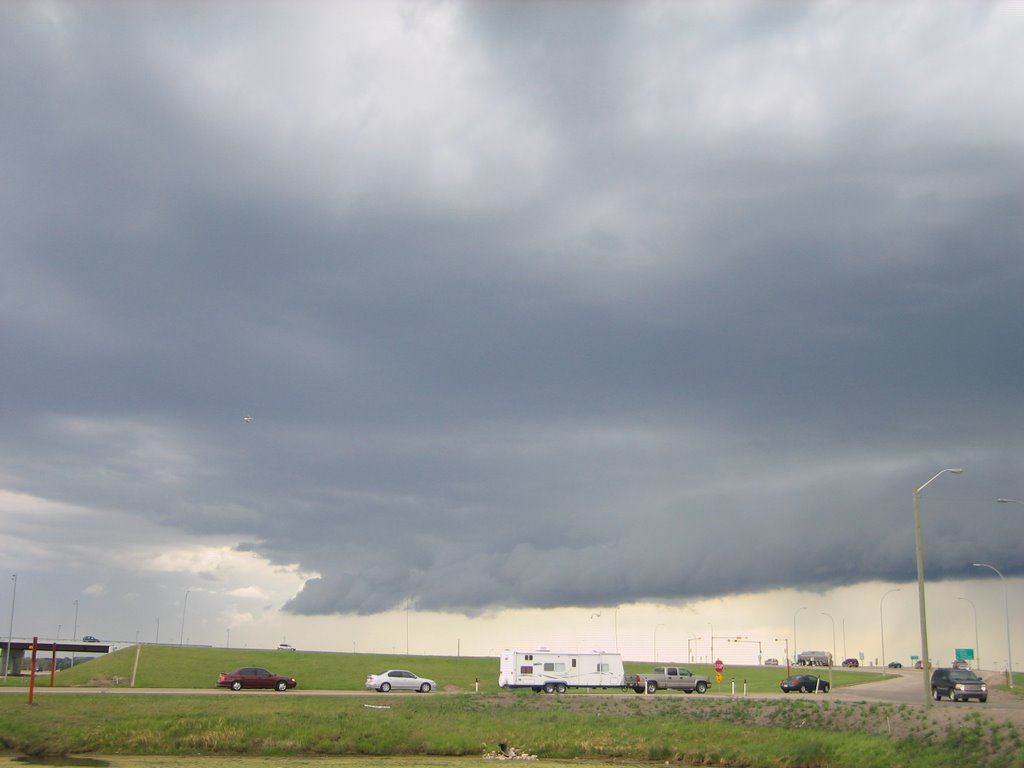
pixel 557 672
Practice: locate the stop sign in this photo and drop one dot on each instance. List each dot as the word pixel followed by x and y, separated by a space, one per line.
pixel 719 666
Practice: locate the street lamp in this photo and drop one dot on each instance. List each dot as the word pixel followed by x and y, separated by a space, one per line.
pixel 919 547
pixel 786 640
pixel 833 648
pixel 1006 598
pixel 184 607
pixel 881 620
pixel 656 642
pixel 796 648
pixel 10 631
pixel 748 640
pixel 977 646
pixel 74 634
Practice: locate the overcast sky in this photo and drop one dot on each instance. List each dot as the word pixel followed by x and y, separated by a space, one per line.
pixel 548 306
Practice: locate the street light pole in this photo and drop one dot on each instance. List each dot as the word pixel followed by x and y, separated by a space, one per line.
pixel 74 634
pixel 184 607
pixel 786 640
pixel 919 548
pixel 833 648
pixel 796 648
pixel 10 631
pixel 977 647
pixel 656 641
pixel 881 619
pixel 1006 598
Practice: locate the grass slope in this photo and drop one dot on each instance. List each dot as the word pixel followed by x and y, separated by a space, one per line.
pixel 163 666
pixel 693 730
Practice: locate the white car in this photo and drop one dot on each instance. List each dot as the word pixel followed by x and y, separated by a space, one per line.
pixel 285 647
pixel 399 679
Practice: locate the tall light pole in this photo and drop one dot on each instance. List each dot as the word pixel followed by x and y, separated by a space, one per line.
pixel 881 621
pixel 833 648
pixel 1006 598
pixel 184 607
pixel 786 640
pixel 796 648
pixel 977 647
pixel 656 641
pixel 919 548
pixel 10 631
pixel 74 634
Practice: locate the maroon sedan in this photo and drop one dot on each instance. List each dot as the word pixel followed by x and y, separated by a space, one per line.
pixel 254 677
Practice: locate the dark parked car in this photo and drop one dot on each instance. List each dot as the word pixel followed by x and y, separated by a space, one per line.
pixel 90 639
pixel 957 685
pixel 804 684
pixel 851 663
pixel 254 677
pixel 895 665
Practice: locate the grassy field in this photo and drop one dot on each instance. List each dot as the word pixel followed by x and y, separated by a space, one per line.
pixel 714 729
pixel 161 666
pixel 695 730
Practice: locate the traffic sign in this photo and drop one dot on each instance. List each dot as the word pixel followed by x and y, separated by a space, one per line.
pixel 719 666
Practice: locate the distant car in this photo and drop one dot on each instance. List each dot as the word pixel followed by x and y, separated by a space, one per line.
pixel 771 662
pixel 851 663
pixel 918 664
pixel 895 665
pixel 285 647
pixel 958 685
pixel 804 684
pixel 399 679
pixel 254 677
pixel 90 639
pixel 960 664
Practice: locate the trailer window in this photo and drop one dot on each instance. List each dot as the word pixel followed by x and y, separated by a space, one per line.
pixel 554 666
pixel 526 669
pixel 528 656
pixel 603 668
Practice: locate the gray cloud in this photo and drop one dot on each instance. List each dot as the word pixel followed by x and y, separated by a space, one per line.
pixel 526 302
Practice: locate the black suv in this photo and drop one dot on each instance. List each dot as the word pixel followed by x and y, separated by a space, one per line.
pixel 957 685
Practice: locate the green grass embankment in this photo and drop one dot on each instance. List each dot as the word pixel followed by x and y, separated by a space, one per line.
pixel 686 730
pixel 165 666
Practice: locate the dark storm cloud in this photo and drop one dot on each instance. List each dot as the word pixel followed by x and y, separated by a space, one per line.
pixel 525 303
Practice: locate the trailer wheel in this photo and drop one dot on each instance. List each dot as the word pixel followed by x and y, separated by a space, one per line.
pixel 652 686
pixel 549 687
pixel 560 688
